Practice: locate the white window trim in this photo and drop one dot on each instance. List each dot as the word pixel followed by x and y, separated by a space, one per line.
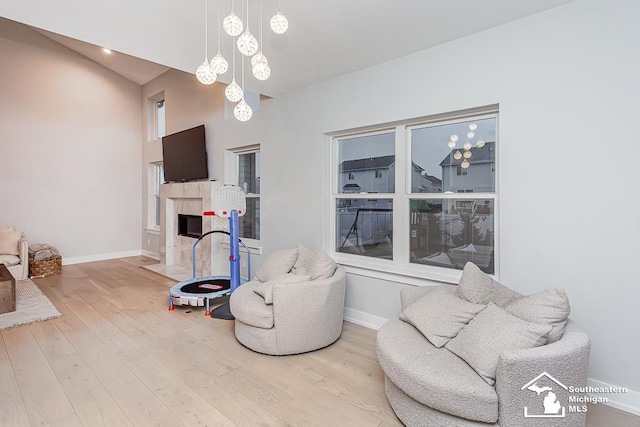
pixel 152 116
pixel 153 193
pixel 400 269
pixel 231 177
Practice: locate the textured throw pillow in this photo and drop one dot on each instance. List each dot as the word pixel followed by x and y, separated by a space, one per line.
pixel 322 266
pixel 440 315
pixel 9 242
pixel 549 307
pixel 492 332
pixel 478 287
pixel 279 263
pixel 9 260
pixel 303 263
pixel 265 290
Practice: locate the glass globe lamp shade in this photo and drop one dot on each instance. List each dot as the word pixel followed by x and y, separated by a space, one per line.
pixel 480 143
pixel 242 111
pixel 464 164
pixel 247 44
pixel 233 92
pixel 473 126
pixel 257 58
pixel 451 144
pixel 467 154
pixel 232 25
pixel 219 65
pixel 262 71
pixel 467 146
pixel 454 138
pixel 205 74
pixel 471 134
pixel 457 155
pixel 279 23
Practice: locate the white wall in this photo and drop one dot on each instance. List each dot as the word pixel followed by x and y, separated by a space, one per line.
pixel 566 82
pixel 70 159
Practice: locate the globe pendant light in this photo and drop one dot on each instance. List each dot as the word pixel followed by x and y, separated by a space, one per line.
pixel 279 23
pixel 204 73
pixel 464 164
pixel 233 91
pixel 242 111
pixel 259 62
pixel 247 43
pixel 232 24
pixel 219 64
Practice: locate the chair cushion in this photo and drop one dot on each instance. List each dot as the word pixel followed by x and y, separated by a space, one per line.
pixel 550 307
pixel 434 376
pixel 9 260
pixel 492 332
pixel 303 263
pixel 440 315
pixel 478 287
pixel 9 242
pixel 278 263
pixel 265 290
pixel 318 266
pixel 250 308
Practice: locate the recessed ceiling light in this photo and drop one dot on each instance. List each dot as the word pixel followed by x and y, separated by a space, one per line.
pixel 107 51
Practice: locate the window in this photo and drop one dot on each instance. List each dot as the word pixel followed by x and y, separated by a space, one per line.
pixel 351 176
pixel 244 170
pixel 155 180
pixel 156 117
pixel 424 200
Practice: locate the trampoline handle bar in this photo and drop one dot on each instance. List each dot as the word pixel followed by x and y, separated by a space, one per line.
pixel 195 244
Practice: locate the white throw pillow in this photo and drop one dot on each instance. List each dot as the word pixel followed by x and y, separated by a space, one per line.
pixel 440 315
pixel 478 287
pixel 322 266
pixel 492 332
pixel 265 290
pixel 305 258
pixel 550 307
pixel 280 262
pixel 9 242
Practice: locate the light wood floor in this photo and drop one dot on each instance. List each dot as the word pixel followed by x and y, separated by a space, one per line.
pixel 118 357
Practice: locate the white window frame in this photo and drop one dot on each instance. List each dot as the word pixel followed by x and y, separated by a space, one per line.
pixel 400 269
pixel 154 121
pixel 231 177
pixel 153 194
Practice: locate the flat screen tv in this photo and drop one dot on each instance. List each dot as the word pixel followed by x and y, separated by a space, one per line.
pixel 184 155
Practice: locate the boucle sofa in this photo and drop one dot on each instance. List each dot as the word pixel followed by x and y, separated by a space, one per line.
pixel 294 304
pixel 437 374
pixel 14 252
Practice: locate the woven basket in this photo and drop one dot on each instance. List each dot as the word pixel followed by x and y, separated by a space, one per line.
pixel 46 267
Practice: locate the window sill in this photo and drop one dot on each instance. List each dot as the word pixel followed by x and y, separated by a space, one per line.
pixel 155 231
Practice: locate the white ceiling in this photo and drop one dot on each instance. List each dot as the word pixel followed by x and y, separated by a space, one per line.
pixel 325 39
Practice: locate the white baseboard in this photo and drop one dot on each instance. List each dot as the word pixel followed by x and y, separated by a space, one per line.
pixel 363 319
pixel 100 257
pixel 628 402
pixel 152 255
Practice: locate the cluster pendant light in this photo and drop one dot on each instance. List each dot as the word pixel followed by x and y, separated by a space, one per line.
pixel 247 44
pixel 466 154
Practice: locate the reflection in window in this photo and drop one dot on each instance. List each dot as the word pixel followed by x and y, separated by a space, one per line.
pixel 448 233
pixel 366 164
pixel 442 165
pixel 365 227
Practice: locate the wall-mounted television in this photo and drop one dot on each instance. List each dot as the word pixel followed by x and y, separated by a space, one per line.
pixel 184 155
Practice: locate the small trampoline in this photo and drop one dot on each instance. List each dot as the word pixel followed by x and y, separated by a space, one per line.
pixel 199 291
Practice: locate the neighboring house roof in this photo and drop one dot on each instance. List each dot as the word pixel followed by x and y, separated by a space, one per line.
pixel 436 182
pixel 351 187
pixel 485 154
pixel 383 162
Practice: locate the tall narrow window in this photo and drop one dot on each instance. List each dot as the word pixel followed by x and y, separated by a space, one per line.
pixel 155 180
pixel 156 117
pixel 243 169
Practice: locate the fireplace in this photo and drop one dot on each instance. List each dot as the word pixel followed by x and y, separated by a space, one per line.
pixel 190 225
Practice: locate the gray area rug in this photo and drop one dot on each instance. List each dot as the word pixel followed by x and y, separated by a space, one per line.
pixel 31 306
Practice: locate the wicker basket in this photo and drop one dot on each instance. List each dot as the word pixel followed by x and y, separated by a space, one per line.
pixel 46 267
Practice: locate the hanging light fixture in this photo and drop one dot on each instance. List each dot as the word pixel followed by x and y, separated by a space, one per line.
pixel 204 73
pixel 242 111
pixel 233 92
pixel 279 22
pixel 232 24
pixel 219 64
pixel 259 62
pixel 247 43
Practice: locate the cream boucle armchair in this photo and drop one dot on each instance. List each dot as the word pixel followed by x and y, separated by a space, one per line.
pixel 287 312
pixel 14 252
